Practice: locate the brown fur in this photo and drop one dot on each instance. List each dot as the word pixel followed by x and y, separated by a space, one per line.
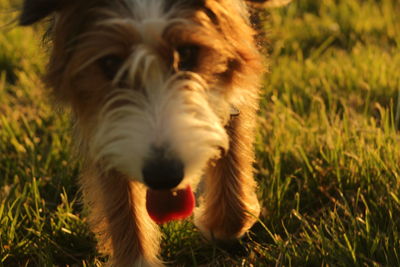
pixel 117 208
pixel 230 205
pixel 229 60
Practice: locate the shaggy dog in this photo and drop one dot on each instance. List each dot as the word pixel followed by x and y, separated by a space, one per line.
pixel 163 93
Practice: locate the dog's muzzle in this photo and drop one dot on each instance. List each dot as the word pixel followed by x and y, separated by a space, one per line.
pixel 162 173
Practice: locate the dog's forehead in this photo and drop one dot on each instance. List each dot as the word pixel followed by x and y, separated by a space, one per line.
pixel 148 20
pixel 148 9
pixel 151 14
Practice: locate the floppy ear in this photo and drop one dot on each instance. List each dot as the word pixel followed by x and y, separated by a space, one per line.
pixel 269 3
pixel 35 10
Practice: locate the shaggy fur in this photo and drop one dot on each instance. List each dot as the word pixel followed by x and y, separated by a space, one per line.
pixel 141 75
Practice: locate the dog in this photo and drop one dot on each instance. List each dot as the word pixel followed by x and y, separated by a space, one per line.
pixel 164 95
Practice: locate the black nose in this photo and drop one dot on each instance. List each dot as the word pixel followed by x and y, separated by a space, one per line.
pixel 162 172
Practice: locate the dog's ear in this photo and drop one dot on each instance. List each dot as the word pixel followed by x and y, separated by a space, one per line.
pixel 268 3
pixel 35 10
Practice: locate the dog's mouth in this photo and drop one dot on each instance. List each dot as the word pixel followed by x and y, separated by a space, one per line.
pixel 166 205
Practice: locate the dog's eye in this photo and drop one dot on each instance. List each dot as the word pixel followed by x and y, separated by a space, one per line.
pixel 188 55
pixel 110 65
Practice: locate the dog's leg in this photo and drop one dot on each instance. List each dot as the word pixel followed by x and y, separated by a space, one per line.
pixel 119 218
pixel 229 205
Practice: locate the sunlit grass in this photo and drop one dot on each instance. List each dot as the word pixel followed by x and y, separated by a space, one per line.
pixel 328 151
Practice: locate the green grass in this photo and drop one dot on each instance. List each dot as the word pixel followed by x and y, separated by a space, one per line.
pixel 328 153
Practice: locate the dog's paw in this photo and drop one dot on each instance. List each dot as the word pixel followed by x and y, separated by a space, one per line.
pixel 225 230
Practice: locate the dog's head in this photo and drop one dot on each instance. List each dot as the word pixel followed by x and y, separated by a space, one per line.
pixel 152 83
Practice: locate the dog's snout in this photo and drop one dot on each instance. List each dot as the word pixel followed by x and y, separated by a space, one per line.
pixel 162 172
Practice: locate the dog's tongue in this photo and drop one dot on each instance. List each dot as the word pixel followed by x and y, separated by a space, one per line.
pixel 164 205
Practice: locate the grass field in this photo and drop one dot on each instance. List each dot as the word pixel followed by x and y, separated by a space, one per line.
pixel 328 153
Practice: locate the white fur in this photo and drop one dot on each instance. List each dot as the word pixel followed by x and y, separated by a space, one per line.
pixel 147 9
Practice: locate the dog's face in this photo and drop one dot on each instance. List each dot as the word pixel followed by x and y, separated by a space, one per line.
pixel 152 83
